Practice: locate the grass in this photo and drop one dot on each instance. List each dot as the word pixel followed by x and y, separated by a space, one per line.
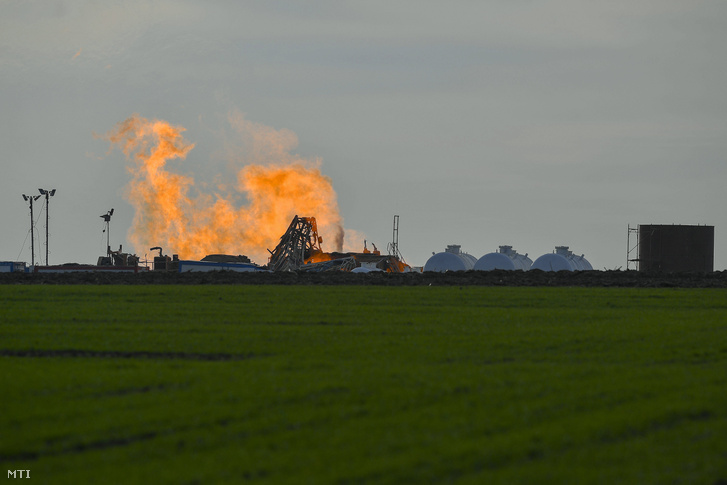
pixel 370 385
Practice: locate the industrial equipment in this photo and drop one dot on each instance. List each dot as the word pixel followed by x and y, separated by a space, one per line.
pixel 164 262
pixel 393 246
pixel 300 250
pixel 452 259
pixel 673 248
pixel 298 245
pixel 506 258
pixel 561 260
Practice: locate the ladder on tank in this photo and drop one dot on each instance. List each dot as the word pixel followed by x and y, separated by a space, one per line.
pixel 630 249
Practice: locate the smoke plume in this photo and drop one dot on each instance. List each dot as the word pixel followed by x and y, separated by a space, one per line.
pixel 248 216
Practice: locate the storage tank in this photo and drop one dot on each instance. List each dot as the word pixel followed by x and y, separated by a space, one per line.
pixel 676 248
pixel 506 258
pixel 561 260
pixel 452 259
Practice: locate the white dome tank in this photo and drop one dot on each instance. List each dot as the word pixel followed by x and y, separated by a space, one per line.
pixel 506 259
pixel 452 259
pixel 561 260
pixel 581 263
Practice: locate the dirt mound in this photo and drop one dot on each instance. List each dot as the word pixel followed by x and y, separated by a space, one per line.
pixel 716 279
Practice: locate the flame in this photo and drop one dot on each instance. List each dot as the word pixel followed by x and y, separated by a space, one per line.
pixel 318 257
pixel 171 212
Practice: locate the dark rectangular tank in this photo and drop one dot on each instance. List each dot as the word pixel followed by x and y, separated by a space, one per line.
pixel 676 248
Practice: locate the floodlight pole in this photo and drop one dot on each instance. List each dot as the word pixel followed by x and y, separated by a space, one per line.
pixel 107 219
pixel 32 235
pixel 47 219
pixel 48 194
pixel 32 232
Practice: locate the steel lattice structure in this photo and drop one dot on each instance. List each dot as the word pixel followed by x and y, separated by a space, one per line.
pixel 299 243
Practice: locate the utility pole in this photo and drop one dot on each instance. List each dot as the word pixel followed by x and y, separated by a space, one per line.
pixel 31 198
pixel 48 194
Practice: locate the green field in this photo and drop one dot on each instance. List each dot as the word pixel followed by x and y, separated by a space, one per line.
pixel 363 385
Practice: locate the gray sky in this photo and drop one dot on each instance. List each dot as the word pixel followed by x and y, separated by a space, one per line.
pixel 529 123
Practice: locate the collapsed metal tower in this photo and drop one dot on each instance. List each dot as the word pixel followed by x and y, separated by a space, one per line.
pixel 300 250
pixel 297 245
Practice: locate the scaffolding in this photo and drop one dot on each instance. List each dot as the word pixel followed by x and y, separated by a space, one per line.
pixel 633 233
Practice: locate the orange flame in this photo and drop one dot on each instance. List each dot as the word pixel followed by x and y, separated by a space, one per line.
pixel 168 214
